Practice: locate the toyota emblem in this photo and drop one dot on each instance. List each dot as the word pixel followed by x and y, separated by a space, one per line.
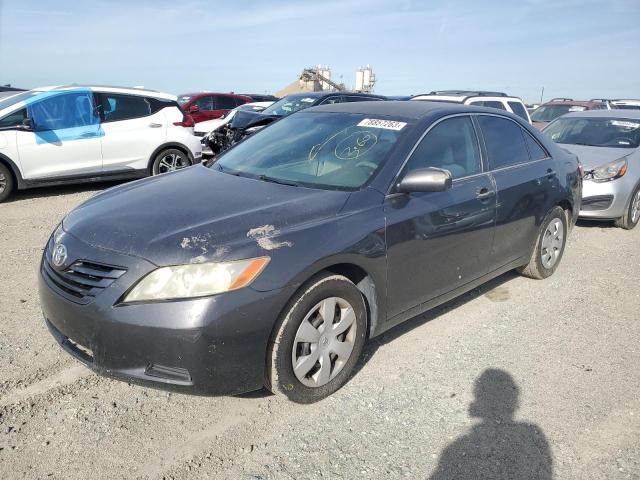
pixel 59 255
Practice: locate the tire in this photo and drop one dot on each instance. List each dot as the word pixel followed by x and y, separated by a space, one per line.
pixel 324 370
pixel 169 160
pixel 549 247
pixel 632 216
pixel 6 183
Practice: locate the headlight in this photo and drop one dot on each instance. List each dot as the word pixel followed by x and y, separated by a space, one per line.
pixel 610 171
pixel 196 280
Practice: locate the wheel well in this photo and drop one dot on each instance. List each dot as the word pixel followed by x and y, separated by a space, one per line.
pixel 568 210
pixel 168 146
pixel 363 281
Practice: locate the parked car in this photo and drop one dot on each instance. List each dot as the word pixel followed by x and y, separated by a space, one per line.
pixel 549 111
pixel 75 134
pixel 209 105
pixel 498 100
pixel 297 245
pixel 246 123
pixel 626 104
pixel 607 143
pixel 261 97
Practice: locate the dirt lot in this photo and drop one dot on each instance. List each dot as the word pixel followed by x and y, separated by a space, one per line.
pixel 570 345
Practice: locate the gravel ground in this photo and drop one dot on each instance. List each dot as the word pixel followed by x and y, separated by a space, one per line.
pixel 517 379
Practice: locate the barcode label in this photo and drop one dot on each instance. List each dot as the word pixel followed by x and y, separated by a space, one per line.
pixel 386 124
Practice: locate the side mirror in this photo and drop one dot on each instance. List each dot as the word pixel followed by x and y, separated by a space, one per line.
pixel 425 180
pixel 193 109
pixel 26 125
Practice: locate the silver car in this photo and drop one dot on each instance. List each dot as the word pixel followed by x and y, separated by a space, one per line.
pixel 607 143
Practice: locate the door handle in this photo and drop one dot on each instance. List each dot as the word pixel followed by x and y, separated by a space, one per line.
pixel 155 125
pixel 484 193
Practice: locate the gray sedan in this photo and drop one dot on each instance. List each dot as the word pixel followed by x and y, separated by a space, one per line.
pixel 607 143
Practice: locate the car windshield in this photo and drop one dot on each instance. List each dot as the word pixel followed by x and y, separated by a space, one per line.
pixel 551 112
pixel 288 105
pixel 320 150
pixel 596 132
pixel 18 97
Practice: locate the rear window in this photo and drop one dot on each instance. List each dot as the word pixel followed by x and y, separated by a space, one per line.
pixel 519 110
pixel 504 141
pixel 490 104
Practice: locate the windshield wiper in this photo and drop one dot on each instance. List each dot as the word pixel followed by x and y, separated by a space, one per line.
pixel 277 180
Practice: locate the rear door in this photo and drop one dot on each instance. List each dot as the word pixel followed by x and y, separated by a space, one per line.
pixel 65 141
pixel 525 184
pixel 437 241
pixel 133 128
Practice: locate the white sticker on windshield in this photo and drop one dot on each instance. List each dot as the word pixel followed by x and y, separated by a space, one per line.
pixel 577 108
pixel 307 100
pixel 623 124
pixel 386 124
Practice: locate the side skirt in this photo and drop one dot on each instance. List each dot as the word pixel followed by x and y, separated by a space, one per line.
pixel 77 179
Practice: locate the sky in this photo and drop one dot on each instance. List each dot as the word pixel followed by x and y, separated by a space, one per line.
pixel 573 48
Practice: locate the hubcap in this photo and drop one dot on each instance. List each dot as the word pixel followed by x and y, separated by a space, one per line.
pixel 551 247
pixel 635 207
pixel 3 182
pixel 171 162
pixel 324 342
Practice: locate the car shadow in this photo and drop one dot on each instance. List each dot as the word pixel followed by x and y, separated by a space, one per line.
pixel 399 330
pixel 595 224
pixel 42 192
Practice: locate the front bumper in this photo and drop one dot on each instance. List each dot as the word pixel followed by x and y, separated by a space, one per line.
pixel 604 201
pixel 211 346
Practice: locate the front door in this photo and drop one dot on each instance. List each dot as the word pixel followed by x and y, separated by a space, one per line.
pixel 65 141
pixel 438 241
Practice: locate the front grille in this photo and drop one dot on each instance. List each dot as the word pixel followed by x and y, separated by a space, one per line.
pixel 598 202
pixel 81 281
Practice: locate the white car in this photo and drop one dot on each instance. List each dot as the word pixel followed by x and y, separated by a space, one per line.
pixel 75 134
pixel 498 100
pixel 626 104
pixel 203 128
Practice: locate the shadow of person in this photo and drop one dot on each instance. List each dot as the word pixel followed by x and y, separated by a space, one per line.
pixel 498 447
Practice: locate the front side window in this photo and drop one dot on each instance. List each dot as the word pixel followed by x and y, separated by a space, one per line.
pixel 319 150
pixel 14 119
pixel 451 145
pixel 504 141
pixel 63 110
pixel 117 107
pixel 519 110
pixel 596 132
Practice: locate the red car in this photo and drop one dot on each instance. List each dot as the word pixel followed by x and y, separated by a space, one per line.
pixel 208 105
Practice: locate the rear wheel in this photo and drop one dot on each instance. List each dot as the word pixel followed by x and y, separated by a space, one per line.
pixel 318 340
pixel 169 160
pixel 6 183
pixel 631 217
pixel 549 247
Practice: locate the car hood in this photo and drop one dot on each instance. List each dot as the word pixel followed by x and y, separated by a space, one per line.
pixel 199 214
pixel 247 119
pixel 594 157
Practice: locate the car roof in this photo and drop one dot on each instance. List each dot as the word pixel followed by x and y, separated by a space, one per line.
pixel 326 94
pixel 615 113
pixel 108 88
pixel 410 110
pixel 464 96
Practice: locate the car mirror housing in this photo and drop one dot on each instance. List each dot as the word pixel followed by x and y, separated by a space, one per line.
pixel 425 180
pixel 193 109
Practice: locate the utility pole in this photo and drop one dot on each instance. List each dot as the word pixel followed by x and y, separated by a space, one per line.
pixel 541 94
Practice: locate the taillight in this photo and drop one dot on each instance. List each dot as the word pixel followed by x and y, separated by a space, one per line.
pixel 187 121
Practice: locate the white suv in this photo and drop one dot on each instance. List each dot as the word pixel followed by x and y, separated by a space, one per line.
pixel 497 100
pixel 74 134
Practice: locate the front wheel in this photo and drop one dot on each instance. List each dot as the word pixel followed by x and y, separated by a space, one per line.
pixel 631 217
pixel 318 340
pixel 169 160
pixel 549 247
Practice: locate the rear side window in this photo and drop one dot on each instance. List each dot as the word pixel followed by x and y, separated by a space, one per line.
pixel 14 119
pixel 536 152
pixel 490 104
pixel 239 101
pixel 117 107
pixel 225 103
pixel 519 110
pixel 452 145
pixel 504 141
pixel 158 104
pixel 205 104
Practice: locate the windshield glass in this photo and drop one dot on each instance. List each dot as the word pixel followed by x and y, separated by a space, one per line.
pixel 19 97
pixel 596 132
pixel 551 112
pixel 321 150
pixel 288 105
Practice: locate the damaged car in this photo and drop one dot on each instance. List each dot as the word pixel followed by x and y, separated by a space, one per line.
pixel 245 123
pixel 302 242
